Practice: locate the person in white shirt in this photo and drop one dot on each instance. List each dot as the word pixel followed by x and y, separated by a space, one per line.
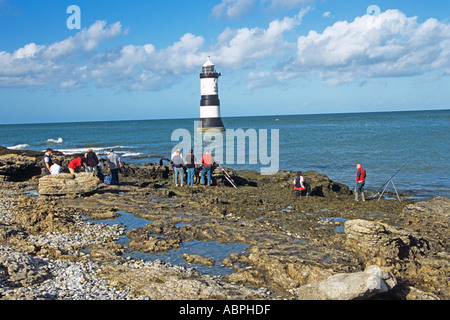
pixel 56 168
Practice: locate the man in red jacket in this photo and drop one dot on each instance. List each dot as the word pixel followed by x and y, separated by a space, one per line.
pixel 360 182
pixel 207 162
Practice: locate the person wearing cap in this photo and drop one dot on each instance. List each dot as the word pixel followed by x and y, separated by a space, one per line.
pixel 114 164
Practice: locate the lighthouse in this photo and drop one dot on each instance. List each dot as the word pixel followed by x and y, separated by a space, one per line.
pixel 210 103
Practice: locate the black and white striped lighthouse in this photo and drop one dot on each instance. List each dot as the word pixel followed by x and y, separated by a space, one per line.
pixel 210 103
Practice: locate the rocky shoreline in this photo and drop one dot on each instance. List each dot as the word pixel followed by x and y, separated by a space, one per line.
pixel 326 246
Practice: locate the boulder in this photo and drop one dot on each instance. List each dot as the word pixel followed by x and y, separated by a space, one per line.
pixel 15 167
pixel 359 285
pixel 369 239
pixel 67 183
pixel 431 218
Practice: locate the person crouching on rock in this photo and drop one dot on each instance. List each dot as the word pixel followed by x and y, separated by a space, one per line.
pixel 77 164
pixel 299 185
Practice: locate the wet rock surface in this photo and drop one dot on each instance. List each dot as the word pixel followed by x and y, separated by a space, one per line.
pixel 293 243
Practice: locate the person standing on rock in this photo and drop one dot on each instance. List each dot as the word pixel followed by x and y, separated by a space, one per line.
pixel 360 182
pixel 48 161
pixel 207 162
pixel 114 166
pixel 177 163
pixel 191 164
pixel 91 161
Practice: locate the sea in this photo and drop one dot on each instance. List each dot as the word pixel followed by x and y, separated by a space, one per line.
pixel 408 151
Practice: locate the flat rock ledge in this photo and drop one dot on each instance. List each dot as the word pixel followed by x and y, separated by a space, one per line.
pixel 359 285
pixel 67 183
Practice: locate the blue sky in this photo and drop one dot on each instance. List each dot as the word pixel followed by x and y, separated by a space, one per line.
pixel 141 59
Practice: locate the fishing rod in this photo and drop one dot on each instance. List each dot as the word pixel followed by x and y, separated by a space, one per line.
pixel 389 180
pixel 227 176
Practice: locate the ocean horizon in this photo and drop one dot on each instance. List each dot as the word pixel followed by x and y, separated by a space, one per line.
pixel 226 117
pixel 329 143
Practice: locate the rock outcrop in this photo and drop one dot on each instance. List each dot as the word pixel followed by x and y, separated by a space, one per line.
pixel 67 183
pixel 370 239
pixel 15 167
pixel 358 285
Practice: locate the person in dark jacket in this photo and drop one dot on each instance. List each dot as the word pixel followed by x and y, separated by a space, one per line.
pixel 191 164
pixel 48 161
pixel 91 162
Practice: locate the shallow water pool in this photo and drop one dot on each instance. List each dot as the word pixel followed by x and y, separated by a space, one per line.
pixel 211 249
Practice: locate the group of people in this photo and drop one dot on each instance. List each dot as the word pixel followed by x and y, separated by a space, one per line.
pixel 303 189
pixel 190 162
pixel 88 163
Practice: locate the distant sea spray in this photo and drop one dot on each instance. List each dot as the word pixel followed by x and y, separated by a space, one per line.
pixel 54 141
pixel 19 147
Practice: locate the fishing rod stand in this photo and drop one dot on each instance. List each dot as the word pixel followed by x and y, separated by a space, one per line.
pixel 385 188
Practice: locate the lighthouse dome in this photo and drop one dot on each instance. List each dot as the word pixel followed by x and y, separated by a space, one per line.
pixel 208 62
pixel 208 67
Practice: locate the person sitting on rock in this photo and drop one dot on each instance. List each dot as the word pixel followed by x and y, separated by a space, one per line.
pixel 56 168
pixel 77 164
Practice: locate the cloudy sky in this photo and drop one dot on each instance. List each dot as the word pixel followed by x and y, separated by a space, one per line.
pixel 141 59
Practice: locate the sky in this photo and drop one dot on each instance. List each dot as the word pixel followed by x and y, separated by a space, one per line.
pixel 141 59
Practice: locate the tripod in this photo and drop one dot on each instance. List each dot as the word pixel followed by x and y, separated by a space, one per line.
pixel 387 184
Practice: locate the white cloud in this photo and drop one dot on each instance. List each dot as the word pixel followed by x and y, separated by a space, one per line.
pixel 288 3
pixel 243 47
pixel 233 9
pixel 388 45
pixel 85 40
pixel 39 65
pixel 236 9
